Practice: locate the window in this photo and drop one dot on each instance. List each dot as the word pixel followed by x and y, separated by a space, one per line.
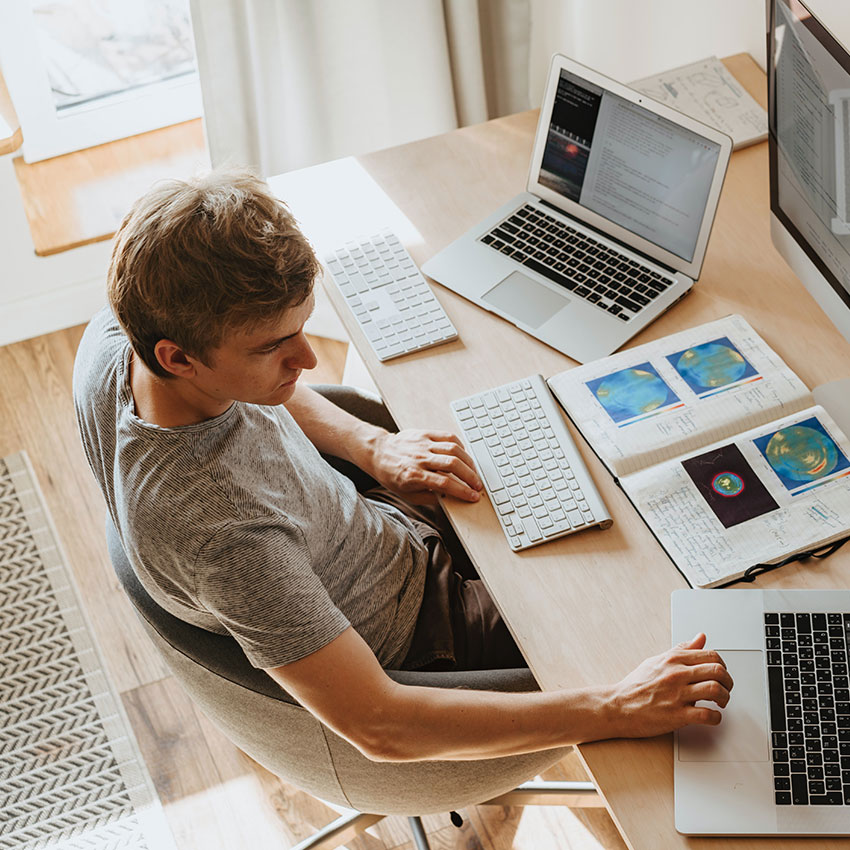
pixel 84 72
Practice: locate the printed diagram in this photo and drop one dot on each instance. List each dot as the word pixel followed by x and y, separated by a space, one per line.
pixel 707 91
pixel 633 394
pixel 729 485
pixel 713 367
pixel 803 456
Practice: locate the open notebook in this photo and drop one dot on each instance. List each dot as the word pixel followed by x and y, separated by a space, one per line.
pixel 719 445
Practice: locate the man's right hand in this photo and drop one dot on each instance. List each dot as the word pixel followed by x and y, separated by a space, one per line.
pixel 660 694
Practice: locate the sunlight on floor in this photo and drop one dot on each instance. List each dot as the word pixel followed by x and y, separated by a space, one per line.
pixel 547 828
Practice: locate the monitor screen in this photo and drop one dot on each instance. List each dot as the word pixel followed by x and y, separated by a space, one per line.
pixel 809 97
pixel 629 165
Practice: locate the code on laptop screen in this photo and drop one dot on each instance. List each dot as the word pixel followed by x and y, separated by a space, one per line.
pixel 623 162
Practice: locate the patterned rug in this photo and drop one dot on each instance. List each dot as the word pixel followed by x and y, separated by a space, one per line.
pixel 70 772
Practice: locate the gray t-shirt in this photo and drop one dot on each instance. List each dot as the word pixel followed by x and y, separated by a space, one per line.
pixel 238 525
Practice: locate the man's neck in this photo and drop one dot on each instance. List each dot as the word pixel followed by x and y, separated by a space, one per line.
pixel 169 402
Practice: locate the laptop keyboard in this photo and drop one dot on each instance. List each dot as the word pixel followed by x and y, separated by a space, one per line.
pixel 589 269
pixel 809 695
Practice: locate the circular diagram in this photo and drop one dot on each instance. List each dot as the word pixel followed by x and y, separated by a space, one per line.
pixel 801 453
pixel 632 392
pixel 727 484
pixel 711 365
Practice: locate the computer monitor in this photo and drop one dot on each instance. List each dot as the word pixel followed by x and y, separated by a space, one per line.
pixel 808 72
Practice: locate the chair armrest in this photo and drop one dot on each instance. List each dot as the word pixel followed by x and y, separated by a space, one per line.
pixel 519 679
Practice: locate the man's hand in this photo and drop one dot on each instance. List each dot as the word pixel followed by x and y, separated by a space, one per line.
pixel 418 464
pixel 660 694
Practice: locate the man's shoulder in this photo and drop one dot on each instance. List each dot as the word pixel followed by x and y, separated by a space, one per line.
pixel 102 345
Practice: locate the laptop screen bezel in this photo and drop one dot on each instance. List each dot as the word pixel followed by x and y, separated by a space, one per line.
pixel 691 268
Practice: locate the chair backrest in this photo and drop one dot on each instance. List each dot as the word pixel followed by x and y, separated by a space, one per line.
pixel 267 724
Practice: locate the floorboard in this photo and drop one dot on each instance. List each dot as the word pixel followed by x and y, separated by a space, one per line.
pixel 214 796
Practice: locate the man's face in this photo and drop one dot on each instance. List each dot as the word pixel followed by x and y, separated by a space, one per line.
pixel 260 365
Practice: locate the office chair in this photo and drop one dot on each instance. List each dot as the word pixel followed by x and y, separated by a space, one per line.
pixel 272 728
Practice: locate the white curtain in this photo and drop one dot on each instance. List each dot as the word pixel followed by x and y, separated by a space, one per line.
pixel 630 39
pixel 290 83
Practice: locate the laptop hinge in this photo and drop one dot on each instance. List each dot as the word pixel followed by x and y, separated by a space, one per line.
pixel 607 236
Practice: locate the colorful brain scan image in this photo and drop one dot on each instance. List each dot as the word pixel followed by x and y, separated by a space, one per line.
pixel 727 484
pixel 730 486
pixel 632 393
pixel 801 454
pixel 712 366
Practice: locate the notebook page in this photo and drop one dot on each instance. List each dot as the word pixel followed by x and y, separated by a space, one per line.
pixel 660 400
pixel 778 489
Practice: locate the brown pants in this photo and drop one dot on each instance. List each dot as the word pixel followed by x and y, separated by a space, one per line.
pixel 459 626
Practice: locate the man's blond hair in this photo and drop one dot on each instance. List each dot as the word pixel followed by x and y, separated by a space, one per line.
pixel 193 259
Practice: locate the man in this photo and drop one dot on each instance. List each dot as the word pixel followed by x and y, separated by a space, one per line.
pixel 207 450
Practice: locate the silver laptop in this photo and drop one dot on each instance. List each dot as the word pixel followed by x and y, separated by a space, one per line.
pixel 613 227
pixel 779 762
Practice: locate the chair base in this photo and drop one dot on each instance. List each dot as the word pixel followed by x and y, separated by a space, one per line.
pixel 339 831
pixel 573 795
pixel 570 794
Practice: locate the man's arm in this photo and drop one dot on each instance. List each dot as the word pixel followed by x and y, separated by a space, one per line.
pixel 345 687
pixel 411 462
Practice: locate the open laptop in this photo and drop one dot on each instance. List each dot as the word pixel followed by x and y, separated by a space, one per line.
pixel 779 762
pixel 613 227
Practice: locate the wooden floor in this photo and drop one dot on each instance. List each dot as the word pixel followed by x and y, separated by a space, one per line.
pixel 214 796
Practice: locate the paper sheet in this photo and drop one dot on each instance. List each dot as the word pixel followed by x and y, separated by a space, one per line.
pixel 707 91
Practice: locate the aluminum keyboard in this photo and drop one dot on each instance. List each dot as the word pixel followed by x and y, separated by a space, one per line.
pixel 391 301
pixel 531 468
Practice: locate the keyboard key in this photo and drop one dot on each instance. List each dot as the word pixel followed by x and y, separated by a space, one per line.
pixel 799 789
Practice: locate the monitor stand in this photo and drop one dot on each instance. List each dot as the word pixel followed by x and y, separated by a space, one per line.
pixel 834 397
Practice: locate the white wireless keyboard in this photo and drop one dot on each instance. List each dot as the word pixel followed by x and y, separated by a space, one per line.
pixel 531 468
pixel 390 299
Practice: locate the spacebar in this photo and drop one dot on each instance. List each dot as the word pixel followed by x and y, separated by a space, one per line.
pixel 486 466
pixel 555 277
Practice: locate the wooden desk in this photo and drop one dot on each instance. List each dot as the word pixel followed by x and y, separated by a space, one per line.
pixel 589 608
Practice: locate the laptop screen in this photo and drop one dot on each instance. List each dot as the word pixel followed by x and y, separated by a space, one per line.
pixel 629 165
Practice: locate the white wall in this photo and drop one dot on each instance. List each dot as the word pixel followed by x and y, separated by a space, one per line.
pixel 41 294
pixel 629 39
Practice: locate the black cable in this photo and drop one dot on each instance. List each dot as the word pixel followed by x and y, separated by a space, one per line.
pixel 756 570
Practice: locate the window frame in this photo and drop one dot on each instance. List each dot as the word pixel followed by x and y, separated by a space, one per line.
pixel 49 132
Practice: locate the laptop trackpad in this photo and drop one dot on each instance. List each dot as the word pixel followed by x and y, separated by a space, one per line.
pixel 743 733
pixel 525 300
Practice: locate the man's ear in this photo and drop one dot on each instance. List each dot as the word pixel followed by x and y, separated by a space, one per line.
pixel 174 359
